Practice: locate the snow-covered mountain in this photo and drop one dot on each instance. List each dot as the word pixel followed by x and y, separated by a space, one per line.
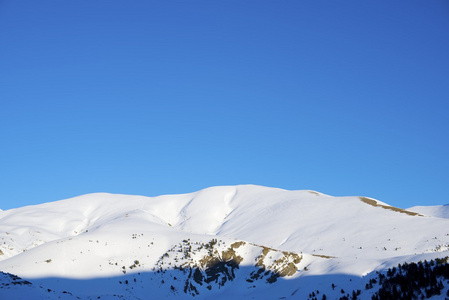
pixel 439 211
pixel 245 242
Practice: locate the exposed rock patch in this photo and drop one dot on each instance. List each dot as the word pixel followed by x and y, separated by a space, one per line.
pixel 374 203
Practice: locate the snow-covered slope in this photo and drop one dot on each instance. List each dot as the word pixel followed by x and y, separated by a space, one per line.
pixel 239 241
pixel 439 211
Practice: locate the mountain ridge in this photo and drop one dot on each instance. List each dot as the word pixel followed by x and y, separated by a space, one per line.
pixel 103 235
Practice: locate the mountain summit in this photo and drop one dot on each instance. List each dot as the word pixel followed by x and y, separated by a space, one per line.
pixel 230 241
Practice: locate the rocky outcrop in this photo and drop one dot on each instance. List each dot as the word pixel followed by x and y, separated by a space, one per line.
pixel 214 264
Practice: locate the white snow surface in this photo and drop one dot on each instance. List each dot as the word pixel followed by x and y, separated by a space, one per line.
pixel 88 246
pixel 439 211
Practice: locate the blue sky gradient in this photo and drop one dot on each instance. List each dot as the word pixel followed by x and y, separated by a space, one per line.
pixel 164 97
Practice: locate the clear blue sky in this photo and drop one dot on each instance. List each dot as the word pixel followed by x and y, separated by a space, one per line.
pixel 162 97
